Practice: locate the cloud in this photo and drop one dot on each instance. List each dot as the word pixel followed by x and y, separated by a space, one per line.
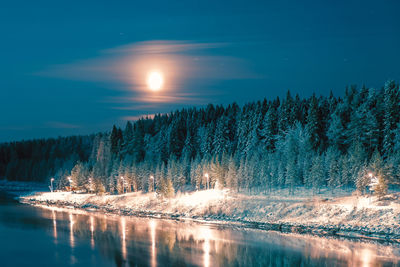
pixel 188 69
pixel 129 64
pixel 163 47
pixel 158 98
pixel 137 117
pixel 148 98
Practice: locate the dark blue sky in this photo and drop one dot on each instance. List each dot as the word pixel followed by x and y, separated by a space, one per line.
pixel 77 67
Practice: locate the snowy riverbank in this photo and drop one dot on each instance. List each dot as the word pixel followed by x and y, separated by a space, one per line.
pixel 350 216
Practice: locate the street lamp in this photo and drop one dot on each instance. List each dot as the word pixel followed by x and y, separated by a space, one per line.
pixel 123 184
pixel 51 184
pixel 90 185
pixel 154 183
pixel 207 185
pixel 70 183
pixel 372 183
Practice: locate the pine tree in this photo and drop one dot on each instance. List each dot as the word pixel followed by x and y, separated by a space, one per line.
pixel 336 131
pixel 391 115
pixel 219 141
pixel 317 173
pixel 313 123
pixel 363 180
pixel 281 178
pixel 138 144
pixel 382 187
pixel 394 159
pixel 189 150
pixel 128 132
pixel 204 140
pixel 167 188
pixel 232 176
pixel 332 165
pixel 356 160
pixel 269 129
pixel 114 140
pixel 382 171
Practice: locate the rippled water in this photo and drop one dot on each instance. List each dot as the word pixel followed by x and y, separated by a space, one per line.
pixel 32 236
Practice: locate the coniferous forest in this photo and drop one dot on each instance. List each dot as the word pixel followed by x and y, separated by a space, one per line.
pixel 290 142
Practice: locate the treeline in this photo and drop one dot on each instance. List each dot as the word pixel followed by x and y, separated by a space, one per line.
pixel 37 160
pixel 313 142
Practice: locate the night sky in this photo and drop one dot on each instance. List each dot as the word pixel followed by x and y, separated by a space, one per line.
pixel 78 67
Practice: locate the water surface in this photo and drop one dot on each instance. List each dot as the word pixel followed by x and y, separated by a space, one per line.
pixel 33 236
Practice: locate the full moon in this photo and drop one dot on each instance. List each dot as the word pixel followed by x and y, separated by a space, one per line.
pixel 155 80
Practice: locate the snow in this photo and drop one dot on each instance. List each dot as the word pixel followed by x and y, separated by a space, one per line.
pixel 349 215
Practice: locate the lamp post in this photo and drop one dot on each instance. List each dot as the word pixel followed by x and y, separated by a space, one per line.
pixel 372 183
pixel 370 188
pixel 154 183
pixel 70 183
pixel 123 184
pixel 207 185
pixel 51 184
pixel 90 185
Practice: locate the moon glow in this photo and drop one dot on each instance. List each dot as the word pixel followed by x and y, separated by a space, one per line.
pixel 155 81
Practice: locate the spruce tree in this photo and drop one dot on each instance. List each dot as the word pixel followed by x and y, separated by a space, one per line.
pixel 391 115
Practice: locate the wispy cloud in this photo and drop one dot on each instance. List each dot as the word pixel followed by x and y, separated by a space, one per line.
pixel 163 47
pixel 188 67
pixel 136 117
pixel 158 98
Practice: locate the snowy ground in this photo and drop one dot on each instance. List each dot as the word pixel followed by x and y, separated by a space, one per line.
pixel 343 215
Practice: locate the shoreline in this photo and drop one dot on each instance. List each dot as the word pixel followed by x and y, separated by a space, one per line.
pixel 284 225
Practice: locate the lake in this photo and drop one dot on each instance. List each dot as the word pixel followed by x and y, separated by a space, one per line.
pixel 33 236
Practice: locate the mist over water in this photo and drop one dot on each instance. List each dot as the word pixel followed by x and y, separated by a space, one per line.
pixel 61 237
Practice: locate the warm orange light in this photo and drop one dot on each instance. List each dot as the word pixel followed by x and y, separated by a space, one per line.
pixel 155 80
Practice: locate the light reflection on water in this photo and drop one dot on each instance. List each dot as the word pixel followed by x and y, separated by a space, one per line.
pixel 54 225
pixel 71 230
pixel 123 234
pixel 210 245
pixel 153 225
pixel 92 231
pixel 205 234
pixel 104 240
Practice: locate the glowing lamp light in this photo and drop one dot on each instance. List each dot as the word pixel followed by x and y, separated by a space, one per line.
pixel 51 184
